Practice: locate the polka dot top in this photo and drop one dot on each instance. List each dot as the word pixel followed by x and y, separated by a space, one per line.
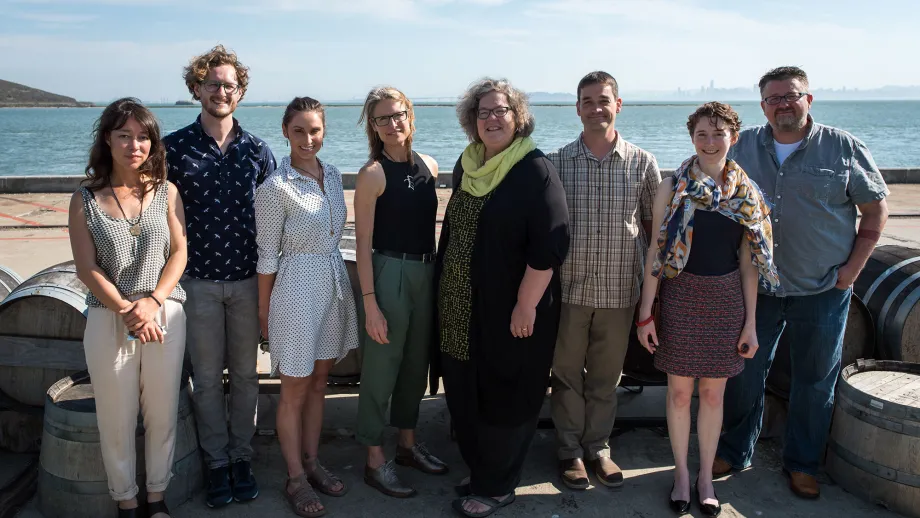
pixel 133 264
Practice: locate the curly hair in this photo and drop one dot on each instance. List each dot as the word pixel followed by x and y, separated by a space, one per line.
pixel 715 112
pixel 99 168
pixel 782 74
pixel 468 107
pixel 374 144
pixel 199 66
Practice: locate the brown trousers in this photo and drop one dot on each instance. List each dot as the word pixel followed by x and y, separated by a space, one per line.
pixel 587 365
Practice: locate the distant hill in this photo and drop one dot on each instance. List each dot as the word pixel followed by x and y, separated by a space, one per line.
pixel 15 95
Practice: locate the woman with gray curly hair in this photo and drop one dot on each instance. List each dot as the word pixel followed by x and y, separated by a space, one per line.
pixel 504 237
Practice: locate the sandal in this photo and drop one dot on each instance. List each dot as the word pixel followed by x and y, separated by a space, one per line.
pixel 323 480
pixel 302 497
pixel 494 505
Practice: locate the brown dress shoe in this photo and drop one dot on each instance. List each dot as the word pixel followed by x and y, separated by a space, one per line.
pixel 573 472
pixel 803 484
pixel 720 468
pixel 607 471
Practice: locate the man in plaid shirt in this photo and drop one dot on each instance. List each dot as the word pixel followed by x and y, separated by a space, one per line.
pixel 610 185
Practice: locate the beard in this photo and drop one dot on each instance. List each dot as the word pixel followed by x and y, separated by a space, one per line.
pixel 790 122
pixel 219 111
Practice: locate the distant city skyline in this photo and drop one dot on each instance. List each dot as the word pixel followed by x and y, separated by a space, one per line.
pixel 98 50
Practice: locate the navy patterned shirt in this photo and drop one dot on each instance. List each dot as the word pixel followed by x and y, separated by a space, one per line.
pixel 218 191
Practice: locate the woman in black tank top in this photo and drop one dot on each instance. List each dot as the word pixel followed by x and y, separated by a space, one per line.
pixel 395 210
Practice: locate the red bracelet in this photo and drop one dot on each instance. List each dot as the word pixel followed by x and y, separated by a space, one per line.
pixel 645 322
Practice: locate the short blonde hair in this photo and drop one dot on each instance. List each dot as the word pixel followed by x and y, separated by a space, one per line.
pixel 468 107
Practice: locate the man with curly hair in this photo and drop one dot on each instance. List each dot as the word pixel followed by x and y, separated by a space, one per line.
pixel 817 176
pixel 217 165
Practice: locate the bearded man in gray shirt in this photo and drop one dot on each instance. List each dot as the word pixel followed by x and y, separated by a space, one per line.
pixel 816 177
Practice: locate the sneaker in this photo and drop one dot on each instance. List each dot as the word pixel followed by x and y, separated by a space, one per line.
pixel 244 483
pixel 219 492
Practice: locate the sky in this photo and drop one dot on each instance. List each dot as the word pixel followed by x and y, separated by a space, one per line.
pixel 99 50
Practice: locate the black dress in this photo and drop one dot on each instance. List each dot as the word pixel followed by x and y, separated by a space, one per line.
pixel 496 384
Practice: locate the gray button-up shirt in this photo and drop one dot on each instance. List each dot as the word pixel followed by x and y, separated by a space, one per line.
pixel 814 195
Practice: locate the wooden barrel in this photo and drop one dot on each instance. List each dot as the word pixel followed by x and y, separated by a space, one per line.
pixel 41 333
pixel 348 371
pixel 72 480
pixel 874 448
pixel 8 281
pixel 858 342
pixel 890 287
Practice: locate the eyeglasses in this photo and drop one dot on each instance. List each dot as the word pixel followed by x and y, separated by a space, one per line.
pixel 384 120
pixel 789 98
pixel 213 86
pixel 499 112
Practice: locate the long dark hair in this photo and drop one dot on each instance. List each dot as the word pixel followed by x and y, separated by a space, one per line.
pixel 115 115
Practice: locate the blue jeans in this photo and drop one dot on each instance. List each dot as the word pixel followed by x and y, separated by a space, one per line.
pixel 817 324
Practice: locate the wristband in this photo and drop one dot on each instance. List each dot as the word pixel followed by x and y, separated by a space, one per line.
pixel 368 293
pixel 155 300
pixel 871 235
pixel 645 322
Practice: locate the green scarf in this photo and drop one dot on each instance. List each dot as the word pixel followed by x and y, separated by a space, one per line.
pixel 480 179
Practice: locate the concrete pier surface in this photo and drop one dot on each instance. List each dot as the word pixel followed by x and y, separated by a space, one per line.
pixel 33 236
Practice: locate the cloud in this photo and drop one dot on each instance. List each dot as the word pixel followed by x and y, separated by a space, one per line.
pixel 55 18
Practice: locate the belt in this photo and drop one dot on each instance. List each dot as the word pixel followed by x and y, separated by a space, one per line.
pixel 425 258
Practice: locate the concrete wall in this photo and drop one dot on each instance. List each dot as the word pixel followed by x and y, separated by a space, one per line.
pixel 23 184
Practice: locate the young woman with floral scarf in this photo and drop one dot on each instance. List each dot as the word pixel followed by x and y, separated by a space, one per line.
pixel 714 248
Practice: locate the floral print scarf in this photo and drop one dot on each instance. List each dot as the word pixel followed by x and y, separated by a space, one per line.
pixel 739 199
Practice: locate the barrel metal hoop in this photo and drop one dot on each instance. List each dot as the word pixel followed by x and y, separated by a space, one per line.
pixel 72 298
pixel 901 317
pixel 873 468
pixel 906 426
pixel 883 314
pixel 884 275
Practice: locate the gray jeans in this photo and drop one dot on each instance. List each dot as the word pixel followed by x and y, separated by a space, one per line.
pixel 223 330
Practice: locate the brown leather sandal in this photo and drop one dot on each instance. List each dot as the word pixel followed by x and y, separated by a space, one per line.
pixel 302 497
pixel 323 480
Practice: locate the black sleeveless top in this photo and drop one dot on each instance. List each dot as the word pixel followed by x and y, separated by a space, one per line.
pixel 716 240
pixel 404 219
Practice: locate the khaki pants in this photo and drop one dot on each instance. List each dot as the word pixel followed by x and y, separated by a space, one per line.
pixel 587 366
pixel 128 376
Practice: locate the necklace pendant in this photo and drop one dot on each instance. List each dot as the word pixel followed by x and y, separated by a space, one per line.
pixel 135 229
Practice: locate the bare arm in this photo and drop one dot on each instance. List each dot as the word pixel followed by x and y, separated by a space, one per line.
pixel 431 163
pixel 749 280
pixel 178 249
pixel 650 282
pixel 370 185
pixel 874 218
pixel 84 256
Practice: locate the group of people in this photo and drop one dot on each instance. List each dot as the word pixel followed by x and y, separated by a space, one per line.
pixel 198 242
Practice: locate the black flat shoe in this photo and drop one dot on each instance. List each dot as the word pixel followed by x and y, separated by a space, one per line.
pixel 678 506
pixel 708 509
pixel 127 513
pixel 157 507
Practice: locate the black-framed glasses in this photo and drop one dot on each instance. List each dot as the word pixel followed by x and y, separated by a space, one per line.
pixel 499 112
pixel 213 86
pixel 384 120
pixel 790 98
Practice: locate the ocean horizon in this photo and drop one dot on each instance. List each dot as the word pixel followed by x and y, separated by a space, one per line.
pixel 55 141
